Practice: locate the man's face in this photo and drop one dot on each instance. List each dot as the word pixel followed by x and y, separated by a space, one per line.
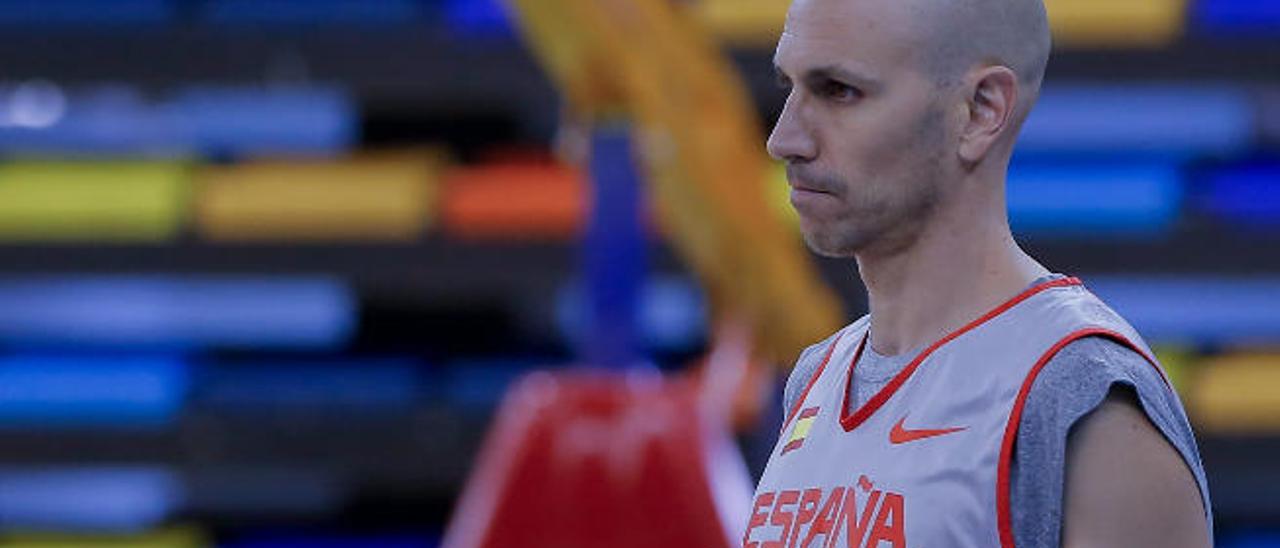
pixel 863 131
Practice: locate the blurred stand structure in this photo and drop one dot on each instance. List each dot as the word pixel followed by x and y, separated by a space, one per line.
pixel 271 265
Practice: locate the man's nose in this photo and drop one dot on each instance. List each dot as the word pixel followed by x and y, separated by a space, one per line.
pixel 792 140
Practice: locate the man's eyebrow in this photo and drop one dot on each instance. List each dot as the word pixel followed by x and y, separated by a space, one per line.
pixel 834 72
pixel 843 74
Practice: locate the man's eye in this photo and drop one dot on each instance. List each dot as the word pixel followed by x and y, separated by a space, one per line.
pixel 782 82
pixel 839 92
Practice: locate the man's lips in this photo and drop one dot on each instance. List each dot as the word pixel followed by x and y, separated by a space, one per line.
pixel 801 186
pixel 804 184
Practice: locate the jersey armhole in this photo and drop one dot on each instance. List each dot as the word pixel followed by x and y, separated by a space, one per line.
pixel 1004 514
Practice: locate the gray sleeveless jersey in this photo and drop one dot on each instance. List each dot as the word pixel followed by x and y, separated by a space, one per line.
pixel 924 462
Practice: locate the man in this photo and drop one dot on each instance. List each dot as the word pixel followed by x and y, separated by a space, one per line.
pixel 983 401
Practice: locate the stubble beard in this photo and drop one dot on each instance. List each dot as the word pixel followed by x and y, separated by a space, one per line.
pixel 882 225
pixel 892 221
pixel 883 229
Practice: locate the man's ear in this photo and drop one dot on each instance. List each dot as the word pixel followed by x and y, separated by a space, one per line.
pixel 991 110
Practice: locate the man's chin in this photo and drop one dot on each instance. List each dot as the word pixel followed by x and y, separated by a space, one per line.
pixel 831 247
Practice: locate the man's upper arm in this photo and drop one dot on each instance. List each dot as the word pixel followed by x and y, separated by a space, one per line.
pixel 1126 486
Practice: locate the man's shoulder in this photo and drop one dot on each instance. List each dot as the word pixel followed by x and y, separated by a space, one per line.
pixel 1078 377
pixel 1077 381
pixel 807 366
pixel 1082 377
pixel 1097 361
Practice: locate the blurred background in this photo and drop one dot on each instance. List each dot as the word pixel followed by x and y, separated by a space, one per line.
pixel 267 267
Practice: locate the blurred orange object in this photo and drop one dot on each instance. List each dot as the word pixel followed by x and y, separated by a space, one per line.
pixel 1235 394
pixel 387 196
pixel 593 460
pixel 1108 23
pixel 744 23
pixel 699 141
pixel 515 199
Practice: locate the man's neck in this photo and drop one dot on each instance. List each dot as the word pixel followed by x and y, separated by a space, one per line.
pixel 950 275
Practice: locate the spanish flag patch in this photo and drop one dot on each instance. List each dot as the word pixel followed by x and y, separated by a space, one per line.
pixel 804 421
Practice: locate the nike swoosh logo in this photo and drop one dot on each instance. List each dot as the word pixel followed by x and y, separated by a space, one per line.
pixel 901 435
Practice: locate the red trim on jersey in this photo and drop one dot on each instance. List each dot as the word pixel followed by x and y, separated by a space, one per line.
pixel 791 446
pixel 1004 516
pixel 795 408
pixel 849 422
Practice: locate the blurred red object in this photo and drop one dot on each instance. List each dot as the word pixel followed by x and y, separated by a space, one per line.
pixel 518 197
pixel 603 460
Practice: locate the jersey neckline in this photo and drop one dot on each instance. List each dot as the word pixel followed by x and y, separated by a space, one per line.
pixel 849 421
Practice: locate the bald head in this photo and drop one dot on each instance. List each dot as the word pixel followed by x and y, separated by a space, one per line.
pixel 950 37
pixel 958 35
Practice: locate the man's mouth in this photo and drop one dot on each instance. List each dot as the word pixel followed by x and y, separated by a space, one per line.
pixel 801 183
pixel 803 188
